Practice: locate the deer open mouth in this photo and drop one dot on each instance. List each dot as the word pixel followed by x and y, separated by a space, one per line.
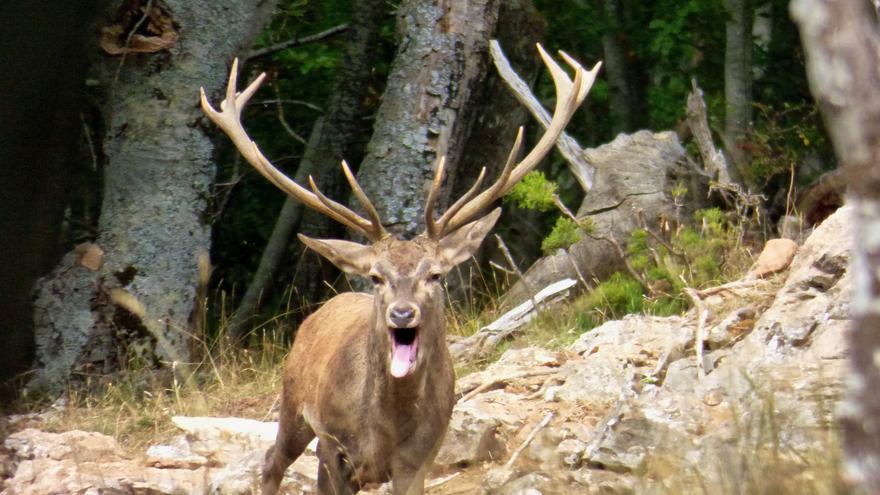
pixel 404 350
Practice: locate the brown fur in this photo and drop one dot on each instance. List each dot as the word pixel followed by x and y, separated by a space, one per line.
pixel 372 426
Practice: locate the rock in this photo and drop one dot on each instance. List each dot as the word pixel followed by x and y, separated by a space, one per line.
pixel 776 256
pixel 88 462
pixel 634 172
pixel 174 456
pixel 223 440
pixel 473 429
pixel 243 476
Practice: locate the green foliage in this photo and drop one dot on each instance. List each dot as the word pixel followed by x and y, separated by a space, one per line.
pixel 781 140
pixel 698 256
pixel 534 192
pixel 565 233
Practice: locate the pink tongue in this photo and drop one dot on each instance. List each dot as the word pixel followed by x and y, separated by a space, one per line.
pixel 402 359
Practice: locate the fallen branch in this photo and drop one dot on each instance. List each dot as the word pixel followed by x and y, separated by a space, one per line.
pixel 544 422
pixel 494 382
pixel 439 481
pixel 702 316
pixel 516 318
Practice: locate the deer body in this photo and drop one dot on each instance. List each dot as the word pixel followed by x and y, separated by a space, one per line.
pixel 338 386
pixel 353 406
pixel 370 374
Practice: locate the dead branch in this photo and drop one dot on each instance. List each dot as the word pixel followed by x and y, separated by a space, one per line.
pixel 698 121
pixel 262 52
pixel 544 422
pixel 702 317
pixel 503 381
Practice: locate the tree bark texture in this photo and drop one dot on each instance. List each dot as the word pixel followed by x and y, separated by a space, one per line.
pixel 738 81
pixel 842 44
pixel 333 138
pixel 428 106
pixel 135 305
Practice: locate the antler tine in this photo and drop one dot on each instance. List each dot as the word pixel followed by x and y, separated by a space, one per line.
pixel 375 221
pixel 430 224
pixel 570 94
pixel 228 119
pixel 348 217
pixel 443 222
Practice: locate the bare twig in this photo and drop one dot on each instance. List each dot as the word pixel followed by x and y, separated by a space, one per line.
pixel 571 216
pixel 737 285
pixel 507 256
pixel 544 422
pixel 128 38
pixel 280 109
pixel 660 240
pixel 302 103
pixel 439 481
pixel 622 254
pixel 262 52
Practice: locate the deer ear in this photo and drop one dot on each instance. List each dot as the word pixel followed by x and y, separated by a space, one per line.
pixel 348 256
pixel 461 244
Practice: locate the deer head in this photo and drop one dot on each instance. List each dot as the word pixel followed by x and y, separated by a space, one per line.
pixel 407 274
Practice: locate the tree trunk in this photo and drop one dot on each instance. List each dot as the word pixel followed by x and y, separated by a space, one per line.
pixel 738 82
pixel 129 297
pixel 842 44
pixel 428 106
pixel 617 67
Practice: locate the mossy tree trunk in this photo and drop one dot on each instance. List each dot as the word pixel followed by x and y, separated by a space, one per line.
pixel 129 297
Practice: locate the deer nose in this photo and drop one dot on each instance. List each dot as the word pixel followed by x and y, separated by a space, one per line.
pixel 402 316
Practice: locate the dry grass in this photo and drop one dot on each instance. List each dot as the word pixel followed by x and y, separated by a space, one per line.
pixel 135 406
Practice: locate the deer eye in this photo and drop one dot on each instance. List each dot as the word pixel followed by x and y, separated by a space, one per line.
pixel 435 277
pixel 376 279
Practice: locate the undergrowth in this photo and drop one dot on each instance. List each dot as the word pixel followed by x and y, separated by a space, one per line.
pixel 135 405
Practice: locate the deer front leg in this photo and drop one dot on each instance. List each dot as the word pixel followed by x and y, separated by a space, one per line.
pixel 294 434
pixel 334 469
pixel 407 477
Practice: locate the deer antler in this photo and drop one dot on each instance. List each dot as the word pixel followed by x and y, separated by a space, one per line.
pixel 569 95
pixel 229 120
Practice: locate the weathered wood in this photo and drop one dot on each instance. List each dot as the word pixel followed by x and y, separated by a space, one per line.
pixel 494 333
pixel 698 121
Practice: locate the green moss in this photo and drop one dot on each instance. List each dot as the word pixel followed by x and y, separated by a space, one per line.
pixel 565 233
pixel 534 192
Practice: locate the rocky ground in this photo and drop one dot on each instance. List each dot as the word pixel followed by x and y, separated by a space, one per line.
pixel 737 396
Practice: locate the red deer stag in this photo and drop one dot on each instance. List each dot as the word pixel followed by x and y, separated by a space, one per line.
pixel 371 375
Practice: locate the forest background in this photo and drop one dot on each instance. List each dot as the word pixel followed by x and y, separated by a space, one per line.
pixel 746 56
